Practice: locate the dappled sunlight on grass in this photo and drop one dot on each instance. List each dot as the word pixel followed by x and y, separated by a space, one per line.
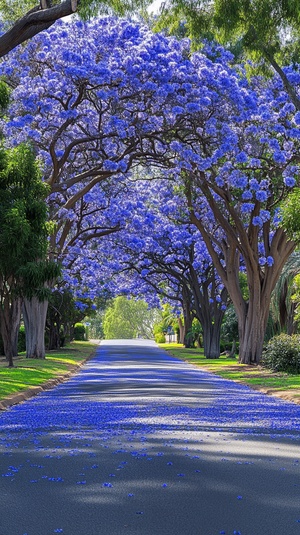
pixel 230 368
pixel 35 372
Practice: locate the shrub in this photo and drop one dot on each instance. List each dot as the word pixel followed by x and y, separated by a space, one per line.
pixel 79 331
pixel 282 354
pixel 159 338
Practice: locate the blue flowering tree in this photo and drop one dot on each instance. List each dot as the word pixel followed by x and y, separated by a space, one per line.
pixel 91 116
pixel 158 254
pixel 24 21
pixel 240 143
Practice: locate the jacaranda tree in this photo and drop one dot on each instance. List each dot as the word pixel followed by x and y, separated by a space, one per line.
pixel 129 97
pixel 90 114
pixel 240 142
pixel 25 20
pixel 157 254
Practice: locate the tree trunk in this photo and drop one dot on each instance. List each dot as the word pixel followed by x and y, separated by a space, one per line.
pixel 233 349
pixel 34 314
pixel 251 337
pixel 208 310
pixel 252 324
pixel 10 315
pixel 188 321
pixel 54 338
pixel 211 340
pixel 181 331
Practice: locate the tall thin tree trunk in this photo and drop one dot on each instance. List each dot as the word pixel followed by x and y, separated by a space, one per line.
pixel 233 349
pixel 181 331
pixel 53 342
pixel 10 316
pixel 188 321
pixel 34 314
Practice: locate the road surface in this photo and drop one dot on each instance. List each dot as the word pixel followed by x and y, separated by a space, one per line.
pixel 139 443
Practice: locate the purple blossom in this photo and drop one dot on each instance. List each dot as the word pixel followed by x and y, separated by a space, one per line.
pixel 261 195
pixel 257 221
pixel 289 181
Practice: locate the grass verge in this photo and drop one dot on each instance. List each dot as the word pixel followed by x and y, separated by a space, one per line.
pixel 29 373
pixel 279 384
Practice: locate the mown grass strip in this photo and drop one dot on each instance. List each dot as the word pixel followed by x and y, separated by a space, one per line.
pixel 28 373
pixel 229 368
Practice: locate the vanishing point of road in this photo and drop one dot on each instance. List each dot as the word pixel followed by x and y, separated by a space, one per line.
pixel 139 443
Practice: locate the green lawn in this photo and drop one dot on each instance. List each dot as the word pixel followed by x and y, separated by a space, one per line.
pixel 229 368
pixel 31 372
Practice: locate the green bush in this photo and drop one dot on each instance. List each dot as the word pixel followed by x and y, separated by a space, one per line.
pixel 159 338
pixel 282 354
pixel 79 331
pixel 21 339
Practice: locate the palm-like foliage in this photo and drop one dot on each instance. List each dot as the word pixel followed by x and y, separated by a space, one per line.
pixel 282 305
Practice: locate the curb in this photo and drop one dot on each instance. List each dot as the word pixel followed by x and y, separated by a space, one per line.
pixel 19 397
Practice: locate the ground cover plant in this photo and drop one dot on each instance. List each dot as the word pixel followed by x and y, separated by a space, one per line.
pixel 28 373
pixel 279 383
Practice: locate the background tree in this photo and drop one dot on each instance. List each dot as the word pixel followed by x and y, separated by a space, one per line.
pixel 283 306
pixel 64 311
pixel 265 31
pixel 129 319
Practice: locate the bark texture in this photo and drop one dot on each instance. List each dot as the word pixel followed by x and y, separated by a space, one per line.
pixel 10 316
pixel 226 253
pixel 34 314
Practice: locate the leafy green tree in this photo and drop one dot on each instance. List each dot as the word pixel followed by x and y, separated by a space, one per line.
pixel 62 315
pixel 266 31
pixel 23 238
pixel 126 318
pixel 168 320
pixel 27 19
pixel 284 301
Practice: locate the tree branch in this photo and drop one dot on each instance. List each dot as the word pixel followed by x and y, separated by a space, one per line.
pixel 34 21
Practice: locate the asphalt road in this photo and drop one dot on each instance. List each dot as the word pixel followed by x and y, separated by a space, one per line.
pixel 139 443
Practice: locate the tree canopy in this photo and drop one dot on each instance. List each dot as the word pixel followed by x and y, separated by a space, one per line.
pixel 126 318
pixel 226 145
pixel 24 21
pixel 23 239
pixel 264 31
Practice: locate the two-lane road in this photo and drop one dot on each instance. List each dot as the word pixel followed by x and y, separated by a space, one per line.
pixel 139 443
